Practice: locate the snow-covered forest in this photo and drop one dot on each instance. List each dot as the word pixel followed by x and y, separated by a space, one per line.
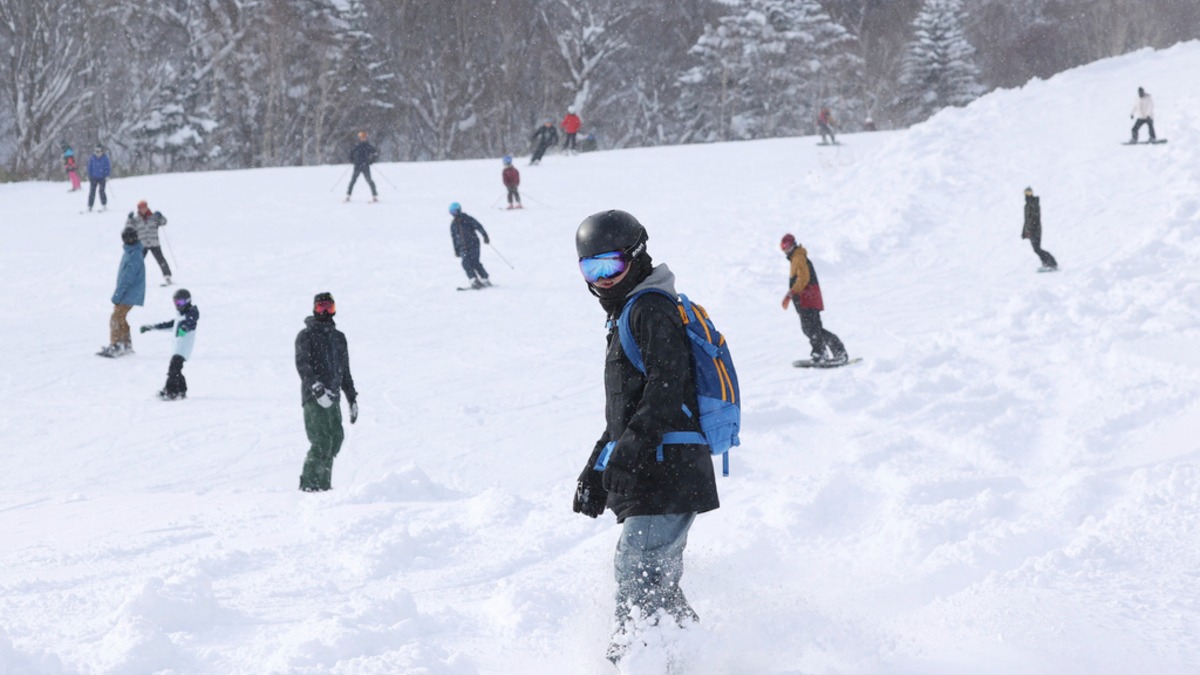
pixel 190 84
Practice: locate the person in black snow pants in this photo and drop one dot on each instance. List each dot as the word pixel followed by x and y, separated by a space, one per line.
pixel 362 155
pixel 655 489
pixel 466 245
pixel 1033 230
pixel 544 136
pixel 323 362
pixel 185 337
pixel 147 223
pixel 805 291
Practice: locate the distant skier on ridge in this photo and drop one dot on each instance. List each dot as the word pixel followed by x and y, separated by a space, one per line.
pixel 1033 230
pixel 825 125
pixel 363 155
pixel 1143 112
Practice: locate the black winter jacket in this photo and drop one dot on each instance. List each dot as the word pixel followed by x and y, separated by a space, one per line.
pixel 639 409
pixel 322 356
pixel 545 136
pixel 363 154
pixel 1033 218
pixel 462 231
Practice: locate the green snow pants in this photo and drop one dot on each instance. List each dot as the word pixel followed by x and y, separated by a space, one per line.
pixel 324 428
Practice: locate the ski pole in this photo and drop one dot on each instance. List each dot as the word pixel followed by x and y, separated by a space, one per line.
pixel 340 178
pixel 497 202
pixel 526 194
pixel 174 265
pixel 501 257
pixel 383 176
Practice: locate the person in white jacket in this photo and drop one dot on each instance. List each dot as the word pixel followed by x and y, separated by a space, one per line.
pixel 1143 112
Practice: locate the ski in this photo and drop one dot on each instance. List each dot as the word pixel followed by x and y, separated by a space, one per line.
pixel 808 363
pixel 1047 269
pixel 1157 141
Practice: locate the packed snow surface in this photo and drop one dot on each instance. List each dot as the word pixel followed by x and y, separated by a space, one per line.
pixel 1008 483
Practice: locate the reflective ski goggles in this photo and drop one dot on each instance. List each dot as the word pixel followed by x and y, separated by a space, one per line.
pixel 182 302
pixel 324 307
pixel 604 266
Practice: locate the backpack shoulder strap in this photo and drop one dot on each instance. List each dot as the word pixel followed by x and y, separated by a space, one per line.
pixel 628 344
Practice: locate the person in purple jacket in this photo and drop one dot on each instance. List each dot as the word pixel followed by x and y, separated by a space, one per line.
pixel 98 170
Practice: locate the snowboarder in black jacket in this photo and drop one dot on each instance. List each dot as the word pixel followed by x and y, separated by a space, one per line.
pixel 466 245
pixel 1033 230
pixel 363 155
pixel 655 490
pixel 545 137
pixel 323 362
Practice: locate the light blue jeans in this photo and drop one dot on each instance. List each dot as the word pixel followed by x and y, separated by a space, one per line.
pixel 649 563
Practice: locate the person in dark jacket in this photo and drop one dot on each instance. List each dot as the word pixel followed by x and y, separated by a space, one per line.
pixel 825 125
pixel 655 490
pixel 363 155
pixel 466 245
pixel 805 291
pixel 1033 230
pixel 185 338
pixel 512 179
pixel 544 137
pixel 147 222
pixel 323 362
pixel 98 170
pixel 130 291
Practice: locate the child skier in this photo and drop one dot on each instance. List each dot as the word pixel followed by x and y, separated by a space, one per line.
pixel 806 292
pixel 71 167
pixel 466 245
pixel 185 337
pixel 511 178
pixel 825 125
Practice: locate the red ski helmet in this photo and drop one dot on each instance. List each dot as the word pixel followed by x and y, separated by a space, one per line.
pixel 787 243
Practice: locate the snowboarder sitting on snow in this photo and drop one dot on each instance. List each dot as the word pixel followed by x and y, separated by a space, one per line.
pixel 185 337
pixel 147 222
pixel 466 245
pixel 570 127
pixel 323 362
pixel 655 490
pixel 363 155
pixel 130 291
pixel 825 125
pixel 804 290
pixel 1033 230
pixel 1143 111
pixel 98 170
pixel 544 136
pixel 69 164
pixel 511 178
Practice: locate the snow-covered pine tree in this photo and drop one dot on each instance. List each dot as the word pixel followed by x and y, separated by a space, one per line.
pixel 939 68
pixel 763 69
pixel 364 80
pixel 173 135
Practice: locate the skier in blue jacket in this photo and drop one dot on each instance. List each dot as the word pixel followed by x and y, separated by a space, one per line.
pixel 130 291
pixel 185 337
pixel 98 170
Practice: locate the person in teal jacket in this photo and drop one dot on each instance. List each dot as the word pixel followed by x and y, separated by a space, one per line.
pixel 130 291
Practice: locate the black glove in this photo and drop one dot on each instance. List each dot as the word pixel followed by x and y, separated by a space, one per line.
pixel 590 496
pixel 618 480
pixel 487 241
pixel 353 412
pixel 143 329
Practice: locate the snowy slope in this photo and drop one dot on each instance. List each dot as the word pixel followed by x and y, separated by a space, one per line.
pixel 1009 482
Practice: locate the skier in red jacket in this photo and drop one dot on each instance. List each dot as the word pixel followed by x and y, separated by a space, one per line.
pixel 511 178
pixel 570 126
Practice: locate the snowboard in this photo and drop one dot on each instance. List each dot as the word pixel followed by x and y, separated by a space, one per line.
pixel 104 352
pixel 473 288
pixel 1047 269
pixel 807 363
pixel 833 143
pixel 1157 141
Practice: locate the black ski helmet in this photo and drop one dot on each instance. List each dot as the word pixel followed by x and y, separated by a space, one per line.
pixel 610 231
pixel 129 235
pixel 182 294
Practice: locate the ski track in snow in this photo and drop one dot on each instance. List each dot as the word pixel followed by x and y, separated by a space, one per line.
pixel 1009 482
